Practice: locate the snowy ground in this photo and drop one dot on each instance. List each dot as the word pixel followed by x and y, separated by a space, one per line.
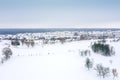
pixel 55 62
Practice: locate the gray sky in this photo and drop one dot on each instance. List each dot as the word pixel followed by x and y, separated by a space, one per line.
pixel 59 13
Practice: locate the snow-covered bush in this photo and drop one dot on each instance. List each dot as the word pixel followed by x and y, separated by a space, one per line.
pixel 15 42
pixel 102 71
pixel 88 63
pixel 103 49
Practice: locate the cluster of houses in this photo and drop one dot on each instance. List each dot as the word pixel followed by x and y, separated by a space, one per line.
pixel 65 36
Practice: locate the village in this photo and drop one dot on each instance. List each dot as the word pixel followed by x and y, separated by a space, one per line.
pixel 62 37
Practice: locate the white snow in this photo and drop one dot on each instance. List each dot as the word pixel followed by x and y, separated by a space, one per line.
pixel 55 62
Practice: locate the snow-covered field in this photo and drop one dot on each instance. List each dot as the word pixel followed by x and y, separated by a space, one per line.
pixel 56 62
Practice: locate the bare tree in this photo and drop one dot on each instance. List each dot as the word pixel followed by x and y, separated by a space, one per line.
pixel 102 71
pixel 32 43
pixel 7 52
pixel 88 63
pixel 115 73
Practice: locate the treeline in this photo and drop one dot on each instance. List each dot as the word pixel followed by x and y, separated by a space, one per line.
pixel 26 42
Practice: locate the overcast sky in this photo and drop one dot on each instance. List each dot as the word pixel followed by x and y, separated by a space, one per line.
pixel 59 13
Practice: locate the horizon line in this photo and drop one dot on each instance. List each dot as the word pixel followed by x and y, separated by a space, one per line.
pixel 66 28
